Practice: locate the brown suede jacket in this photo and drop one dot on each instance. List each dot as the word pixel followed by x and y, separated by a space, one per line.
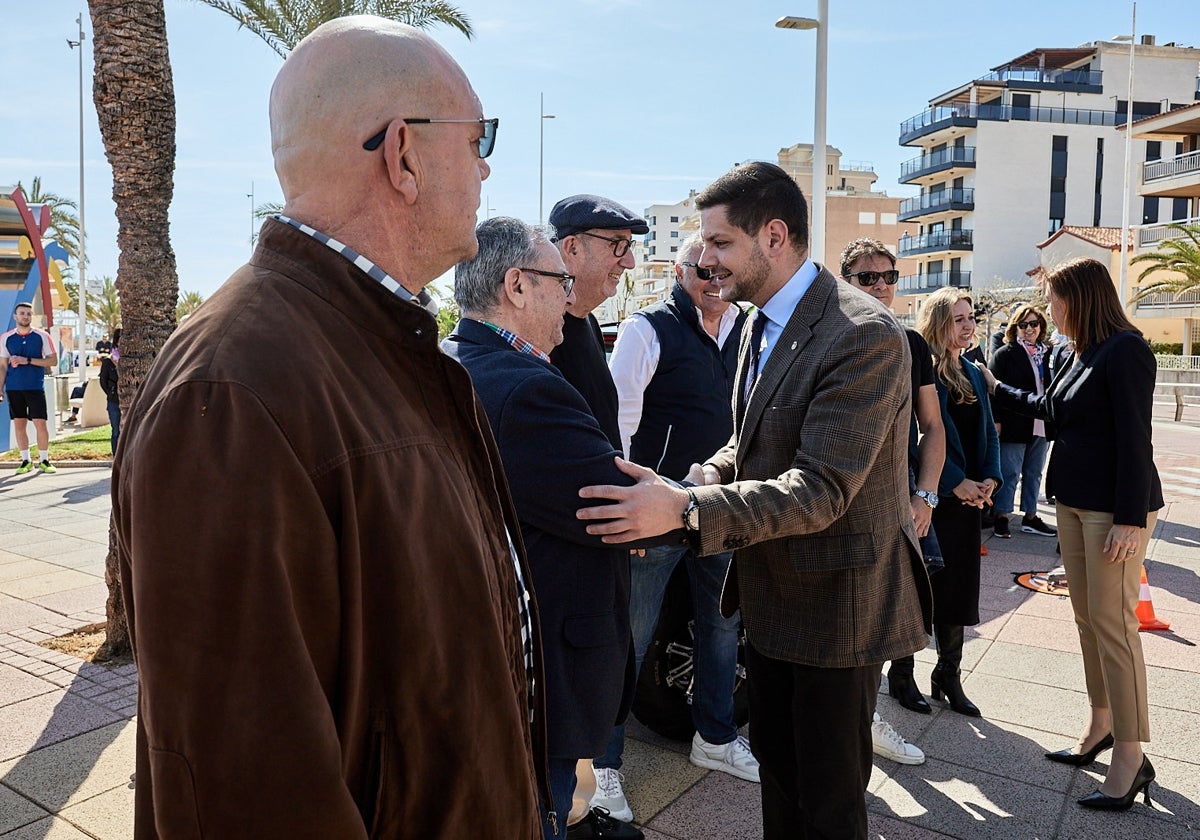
pixel 311 518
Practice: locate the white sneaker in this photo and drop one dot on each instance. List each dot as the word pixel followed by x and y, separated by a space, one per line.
pixel 888 743
pixel 609 794
pixel 733 758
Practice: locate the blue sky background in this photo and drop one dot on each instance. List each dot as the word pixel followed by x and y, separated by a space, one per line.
pixel 652 98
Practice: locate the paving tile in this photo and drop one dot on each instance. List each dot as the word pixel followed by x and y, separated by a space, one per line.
pixel 718 806
pixel 108 816
pixel 74 770
pixel 45 584
pixel 47 719
pixel 655 777
pixel 70 601
pixel 50 550
pixel 16 685
pixel 49 828
pixel 16 810
pixel 26 568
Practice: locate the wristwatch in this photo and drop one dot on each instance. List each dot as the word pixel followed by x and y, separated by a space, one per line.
pixel 928 497
pixel 691 515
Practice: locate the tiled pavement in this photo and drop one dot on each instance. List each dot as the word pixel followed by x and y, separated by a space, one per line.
pixel 66 736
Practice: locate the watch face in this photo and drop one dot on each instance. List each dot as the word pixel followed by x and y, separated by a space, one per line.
pixel 693 517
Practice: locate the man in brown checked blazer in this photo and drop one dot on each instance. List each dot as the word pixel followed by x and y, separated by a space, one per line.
pixel 812 493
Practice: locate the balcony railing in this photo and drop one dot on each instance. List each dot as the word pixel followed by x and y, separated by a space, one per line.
pixel 915 284
pixel 1150 235
pixel 1153 170
pixel 966 114
pixel 1040 76
pixel 937 202
pixel 944 240
pixel 1170 300
pixel 942 159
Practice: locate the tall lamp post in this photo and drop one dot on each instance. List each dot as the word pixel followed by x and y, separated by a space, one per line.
pixel 81 341
pixel 1124 282
pixel 820 180
pixel 541 150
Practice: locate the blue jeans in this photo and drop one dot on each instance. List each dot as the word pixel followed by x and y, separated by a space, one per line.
pixel 114 418
pixel 1023 461
pixel 714 651
pixel 560 774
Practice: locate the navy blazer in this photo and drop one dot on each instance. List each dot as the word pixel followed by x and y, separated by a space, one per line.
pixel 551 446
pixel 1011 364
pixel 987 443
pixel 1101 407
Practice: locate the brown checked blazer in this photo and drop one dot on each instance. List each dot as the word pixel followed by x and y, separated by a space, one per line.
pixel 814 490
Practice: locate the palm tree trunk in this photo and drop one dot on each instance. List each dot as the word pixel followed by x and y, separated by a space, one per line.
pixel 134 96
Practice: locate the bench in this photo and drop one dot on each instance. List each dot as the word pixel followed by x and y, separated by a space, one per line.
pixel 93 406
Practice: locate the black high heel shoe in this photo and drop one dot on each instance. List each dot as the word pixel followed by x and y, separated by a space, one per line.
pixel 945 683
pixel 904 688
pixel 1082 759
pixel 1141 784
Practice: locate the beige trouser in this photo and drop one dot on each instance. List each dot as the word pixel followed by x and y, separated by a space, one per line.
pixel 1104 597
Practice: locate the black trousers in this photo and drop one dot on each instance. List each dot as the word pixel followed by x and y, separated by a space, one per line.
pixel 810 729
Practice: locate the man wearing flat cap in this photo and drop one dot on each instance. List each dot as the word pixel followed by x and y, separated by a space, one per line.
pixel 594 235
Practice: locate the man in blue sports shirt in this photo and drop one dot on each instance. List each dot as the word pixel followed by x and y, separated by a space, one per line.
pixel 25 356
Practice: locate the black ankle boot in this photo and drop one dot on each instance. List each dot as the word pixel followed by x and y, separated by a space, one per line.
pixel 903 687
pixel 945 681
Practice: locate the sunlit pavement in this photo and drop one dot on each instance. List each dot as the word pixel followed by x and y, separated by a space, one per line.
pixel 66 732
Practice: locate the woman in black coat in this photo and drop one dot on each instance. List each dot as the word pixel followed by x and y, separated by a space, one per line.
pixel 1107 497
pixel 969 476
pixel 1022 362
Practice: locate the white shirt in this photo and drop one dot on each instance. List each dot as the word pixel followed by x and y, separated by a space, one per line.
pixel 635 359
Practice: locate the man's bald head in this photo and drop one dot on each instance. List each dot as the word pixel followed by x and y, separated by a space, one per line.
pixel 342 84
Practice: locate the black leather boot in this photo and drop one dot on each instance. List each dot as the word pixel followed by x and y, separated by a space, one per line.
pixel 903 687
pixel 945 682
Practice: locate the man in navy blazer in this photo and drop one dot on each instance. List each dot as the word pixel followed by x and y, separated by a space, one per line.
pixel 513 295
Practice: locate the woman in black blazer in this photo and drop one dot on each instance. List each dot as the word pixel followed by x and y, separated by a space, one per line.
pixel 1022 362
pixel 1108 495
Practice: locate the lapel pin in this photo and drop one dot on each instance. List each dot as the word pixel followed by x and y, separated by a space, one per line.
pixel 794 345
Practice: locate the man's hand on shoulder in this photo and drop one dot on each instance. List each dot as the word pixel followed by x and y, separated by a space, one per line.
pixel 649 508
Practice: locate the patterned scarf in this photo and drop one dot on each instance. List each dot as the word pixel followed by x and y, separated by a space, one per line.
pixel 1036 351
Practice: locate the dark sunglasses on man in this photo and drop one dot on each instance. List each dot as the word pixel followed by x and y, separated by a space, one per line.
pixel 870 278
pixel 487 140
pixel 701 272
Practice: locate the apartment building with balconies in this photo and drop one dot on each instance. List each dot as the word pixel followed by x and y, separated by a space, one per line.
pixel 1009 158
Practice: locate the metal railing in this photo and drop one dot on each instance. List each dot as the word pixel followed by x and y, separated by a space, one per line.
pixel 1148 235
pixel 1166 362
pixel 918 283
pixel 933 202
pixel 955 155
pixel 1170 300
pixel 966 111
pixel 1153 170
pixel 945 239
pixel 1042 76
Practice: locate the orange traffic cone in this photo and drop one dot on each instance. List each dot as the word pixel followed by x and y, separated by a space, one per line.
pixel 1145 609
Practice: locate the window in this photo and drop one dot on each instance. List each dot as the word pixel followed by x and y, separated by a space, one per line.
pixel 1099 181
pixel 674 234
pixel 865 218
pixel 887 218
pixel 1153 150
pixel 674 220
pixel 1058 181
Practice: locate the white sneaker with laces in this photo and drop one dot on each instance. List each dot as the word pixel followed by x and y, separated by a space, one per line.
pixel 609 794
pixel 733 758
pixel 888 743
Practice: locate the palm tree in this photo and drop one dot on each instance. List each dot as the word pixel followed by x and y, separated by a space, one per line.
pixel 64 221
pixel 284 23
pixel 189 302
pixel 1180 256
pixel 108 305
pixel 134 94
pixel 71 304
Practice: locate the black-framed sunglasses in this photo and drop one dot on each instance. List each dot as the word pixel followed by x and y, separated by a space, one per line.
pixel 1024 325
pixel 870 278
pixel 701 272
pixel 487 142
pixel 620 247
pixel 567 280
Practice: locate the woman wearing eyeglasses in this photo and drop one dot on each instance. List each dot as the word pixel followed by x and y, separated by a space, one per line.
pixel 1021 362
pixel 1107 496
pixel 970 475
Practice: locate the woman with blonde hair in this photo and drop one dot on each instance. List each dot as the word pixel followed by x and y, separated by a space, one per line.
pixel 1107 498
pixel 969 477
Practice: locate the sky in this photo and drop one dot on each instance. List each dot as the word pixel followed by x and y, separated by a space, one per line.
pixel 651 98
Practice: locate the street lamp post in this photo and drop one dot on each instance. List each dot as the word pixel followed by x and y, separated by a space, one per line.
pixel 820 179
pixel 542 150
pixel 1124 281
pixel 81 341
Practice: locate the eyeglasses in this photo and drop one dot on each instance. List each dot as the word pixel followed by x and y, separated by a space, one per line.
pixel 486 143
pixel 567 280
pixel 702 273
pixel 620 247
pixel 1024 325
pixel 870 278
